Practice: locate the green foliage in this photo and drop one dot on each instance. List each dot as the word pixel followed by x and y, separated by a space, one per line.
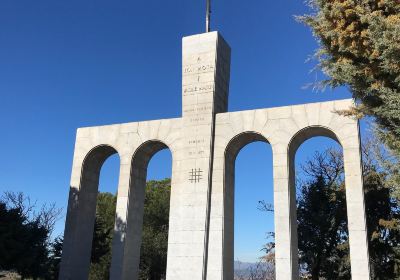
pixel 55 258
pixel 153 257
pixel 25 237
pixel 322 231
pixel 380 223
pixel 360 48
pixel 23 244
pixel 102 237
pixel 322 223
pixel 383 214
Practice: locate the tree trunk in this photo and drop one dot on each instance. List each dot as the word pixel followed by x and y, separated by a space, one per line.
pixel 315 271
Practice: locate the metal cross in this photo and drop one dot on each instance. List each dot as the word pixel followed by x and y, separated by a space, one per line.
pixel 195 175
pixel 208 16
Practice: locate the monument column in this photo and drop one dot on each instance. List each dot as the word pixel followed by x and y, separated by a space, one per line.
pixel 285 213
pixel 356 216
pixel 205 72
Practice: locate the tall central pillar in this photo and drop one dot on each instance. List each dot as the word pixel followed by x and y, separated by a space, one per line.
pixel 205 82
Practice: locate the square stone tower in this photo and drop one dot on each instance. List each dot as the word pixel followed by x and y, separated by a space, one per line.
pixel 205 84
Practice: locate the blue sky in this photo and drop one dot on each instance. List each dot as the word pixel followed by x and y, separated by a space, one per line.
pixel 68 64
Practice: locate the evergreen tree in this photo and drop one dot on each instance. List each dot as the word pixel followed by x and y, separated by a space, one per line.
pixel 360 48
pixel 322 223
pixel 25 236
pixel 102 237
pixel 383 214
pixel 153 254
pixel 55 258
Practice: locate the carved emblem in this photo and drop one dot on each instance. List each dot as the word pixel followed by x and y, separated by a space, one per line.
pixel 195 175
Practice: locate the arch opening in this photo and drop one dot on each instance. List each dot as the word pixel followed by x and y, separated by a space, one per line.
pixel 316 176
pixel 104 218
pixel 247 182
pixel 92 166
pixel 148 213
pixel 308 133
pixel 92 218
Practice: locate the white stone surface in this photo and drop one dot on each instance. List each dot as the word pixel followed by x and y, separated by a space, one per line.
pixel 205 139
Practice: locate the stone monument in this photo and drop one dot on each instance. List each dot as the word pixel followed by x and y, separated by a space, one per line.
pixel 204 143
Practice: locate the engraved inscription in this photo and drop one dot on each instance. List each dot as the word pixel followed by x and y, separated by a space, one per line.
pixel 195 175
pixel 197 89
pixel 198 68
pixel 197 109
pixel 196 153
pixel 198 119
pixel 196 141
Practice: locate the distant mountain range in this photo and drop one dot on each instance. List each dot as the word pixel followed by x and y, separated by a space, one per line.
pixel 243 268
pixel 238 265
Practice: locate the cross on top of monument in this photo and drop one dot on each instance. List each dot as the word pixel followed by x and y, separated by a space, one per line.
pixel 208 15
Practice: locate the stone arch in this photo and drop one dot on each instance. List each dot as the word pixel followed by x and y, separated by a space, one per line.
pixel 309 132
pixel 128 230
pixel 78 234
pixel 92 164
pixel 231 151
pixel 242 139
pixel 295 142
pixel 299 138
